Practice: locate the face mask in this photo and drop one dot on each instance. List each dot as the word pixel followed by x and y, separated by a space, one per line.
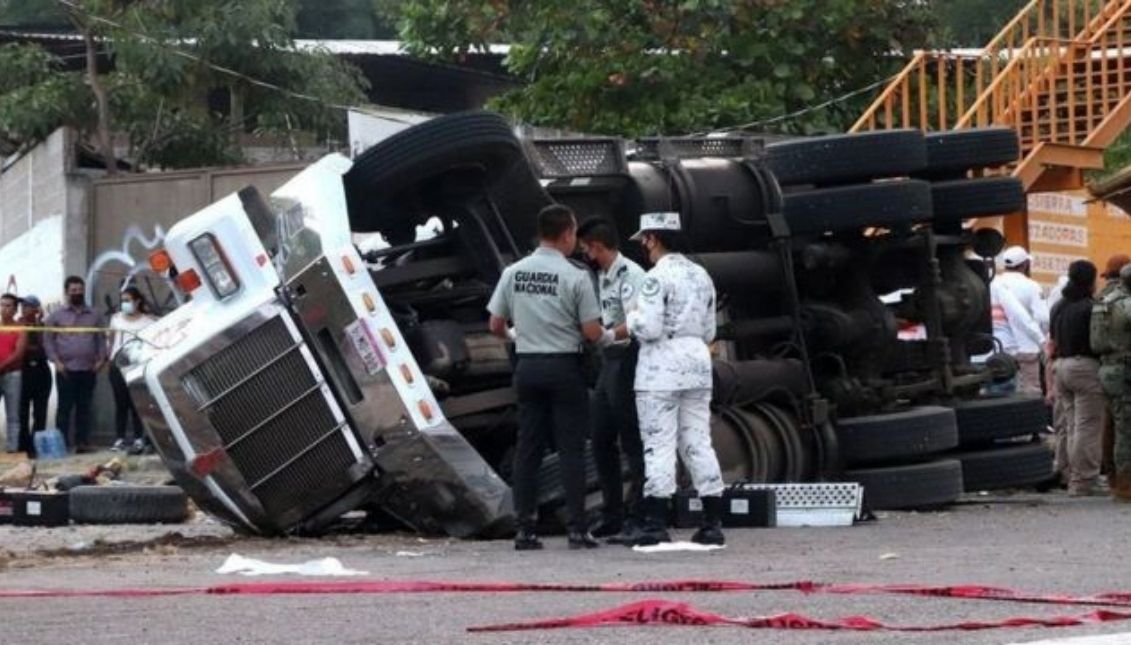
pixel 128 307
pixel 78 300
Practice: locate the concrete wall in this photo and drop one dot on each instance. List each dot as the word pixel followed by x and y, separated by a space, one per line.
pixel 129 216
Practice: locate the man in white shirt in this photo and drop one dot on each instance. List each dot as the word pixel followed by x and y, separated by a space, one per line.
pixel 1020 317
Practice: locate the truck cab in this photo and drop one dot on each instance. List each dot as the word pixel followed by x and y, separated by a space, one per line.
pixel 282 394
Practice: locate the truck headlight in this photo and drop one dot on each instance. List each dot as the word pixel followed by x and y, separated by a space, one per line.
pixel 216 268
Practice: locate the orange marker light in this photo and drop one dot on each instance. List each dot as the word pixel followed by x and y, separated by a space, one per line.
pixel 348 264
pixel 388 337
pixel 406 372
pixel 188 281
pixel 160 261
pixel 370 304
pixel 425 410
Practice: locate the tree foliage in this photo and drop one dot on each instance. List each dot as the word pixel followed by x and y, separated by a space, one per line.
pixel 674 66
pixel 973 23
pixel 185 82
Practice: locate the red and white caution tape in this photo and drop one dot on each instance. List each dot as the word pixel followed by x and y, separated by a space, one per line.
pixel 664 612
pixel 660 611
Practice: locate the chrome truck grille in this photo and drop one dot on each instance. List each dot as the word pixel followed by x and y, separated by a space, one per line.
pixel 274 418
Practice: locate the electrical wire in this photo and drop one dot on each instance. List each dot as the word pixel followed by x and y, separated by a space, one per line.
pixel 804 111
pixel 220 68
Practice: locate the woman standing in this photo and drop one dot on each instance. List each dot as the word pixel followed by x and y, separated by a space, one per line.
pixel 131 319
pixel 674 320
pixel 1078 386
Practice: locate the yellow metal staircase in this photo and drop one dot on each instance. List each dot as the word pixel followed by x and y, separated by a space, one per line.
pixel 1059 73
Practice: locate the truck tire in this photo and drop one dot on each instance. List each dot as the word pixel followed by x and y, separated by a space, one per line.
pixel 910 434
pixel 550 488
pixel 983 421
pixel 394 167
pixel 927 485
pixel 519 196
pixel 849 208
pixel 847 158
pixel 981 197
pixel 1006 467
pixel 128 505
pixel 953 153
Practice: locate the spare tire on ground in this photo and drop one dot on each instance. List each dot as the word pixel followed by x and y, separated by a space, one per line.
pixel 926 485
pixel 1006 467
pixel 128 505
pixel 982 421
pixel 385 173
pixel 910 434
pixel 847 158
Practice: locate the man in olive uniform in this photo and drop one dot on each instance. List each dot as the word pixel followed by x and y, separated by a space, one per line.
pixel 554 310
pixel 1111 339
pixel 615 427
pixel 1111 282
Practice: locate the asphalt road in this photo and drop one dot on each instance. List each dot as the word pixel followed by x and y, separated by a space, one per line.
pixel 1046 543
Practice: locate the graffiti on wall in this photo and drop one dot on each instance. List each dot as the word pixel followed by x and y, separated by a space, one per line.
pixel 117 268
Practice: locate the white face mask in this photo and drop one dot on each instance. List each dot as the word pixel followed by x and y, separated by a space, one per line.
pixel 128 307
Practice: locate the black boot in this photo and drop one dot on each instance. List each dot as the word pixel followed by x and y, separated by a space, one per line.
pixel 606 526
pixel 582 540
pixel 628 532
pixel 526 540
pixel 711 531
pixel 655 527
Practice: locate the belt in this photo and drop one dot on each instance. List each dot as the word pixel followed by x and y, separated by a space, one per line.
pixel 549 355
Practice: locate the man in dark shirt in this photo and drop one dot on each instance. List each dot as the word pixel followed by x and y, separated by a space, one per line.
pixel 1078 381
pixel 77 357
pixel 36 377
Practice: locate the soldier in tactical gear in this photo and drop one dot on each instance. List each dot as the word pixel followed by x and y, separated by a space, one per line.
pixel 1111 339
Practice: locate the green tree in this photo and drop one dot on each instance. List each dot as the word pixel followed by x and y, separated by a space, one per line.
pixel 39 14
pixel 352 19
pixel 638 67
pixel 973 23
pixel 188 80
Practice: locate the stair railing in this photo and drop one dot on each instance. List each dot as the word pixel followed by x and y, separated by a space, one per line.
pixel 936 90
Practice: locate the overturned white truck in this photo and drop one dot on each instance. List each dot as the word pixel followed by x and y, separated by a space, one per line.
pixel 283 394
pixel 304 379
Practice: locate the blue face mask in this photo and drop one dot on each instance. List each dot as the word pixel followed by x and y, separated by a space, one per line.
pixel 128 307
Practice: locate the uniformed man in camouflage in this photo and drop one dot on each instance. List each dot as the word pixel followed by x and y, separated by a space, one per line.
pixel 615 429
pixel 674 320
pixel 1111 339
pixel 554 310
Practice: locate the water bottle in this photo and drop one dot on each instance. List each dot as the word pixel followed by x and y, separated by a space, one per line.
pixel 49 444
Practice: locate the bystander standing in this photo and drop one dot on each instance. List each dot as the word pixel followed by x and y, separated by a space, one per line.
pixel 1078 381
pixel 132 317
pixel 78 352
pixel 36 384
pixel 1023 331
pixel 12 345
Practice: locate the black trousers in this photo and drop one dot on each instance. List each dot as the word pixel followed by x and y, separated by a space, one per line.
pixel 33 403
pixel 125 412
pixel 553 402
pixel 76 389
pixel 616 432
